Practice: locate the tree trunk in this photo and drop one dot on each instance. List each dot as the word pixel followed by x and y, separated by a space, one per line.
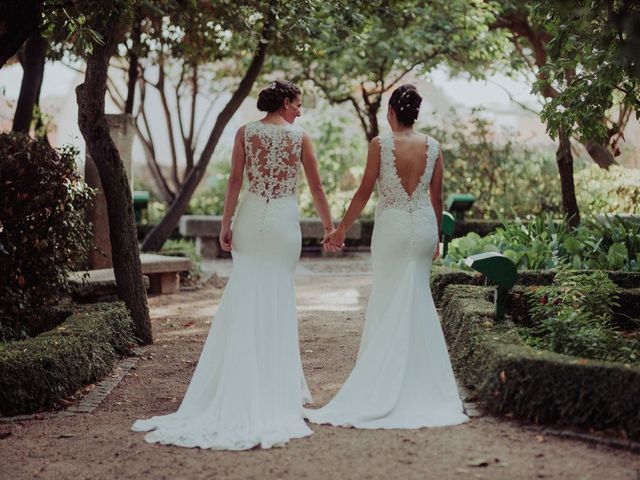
pixel 33 66
pixel 122 228
pixel 161 232
pixel 40 126
pixel 564 158
pixel 18 20
pixel 374 129
pixel 600 154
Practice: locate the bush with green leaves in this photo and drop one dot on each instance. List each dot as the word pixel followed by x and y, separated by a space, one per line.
pixel 507 177
pixel 43 229
pixel 574 316
pixel 341 151
pixel 613 190
pixel 611 243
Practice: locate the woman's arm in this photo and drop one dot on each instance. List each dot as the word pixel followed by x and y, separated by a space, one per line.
pixel 233 189
pixel 362 195
pixel 435 192
pixel 310 165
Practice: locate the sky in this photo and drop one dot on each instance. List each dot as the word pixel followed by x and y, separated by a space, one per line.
pixel 461 93
pixel 59 80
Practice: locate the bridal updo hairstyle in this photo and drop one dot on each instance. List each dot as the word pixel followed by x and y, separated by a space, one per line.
pixel 405 101
pixel 271 98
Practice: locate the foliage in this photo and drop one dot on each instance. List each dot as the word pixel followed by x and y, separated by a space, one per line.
pixel 43 231
pixel 70 26
pixel 210 199
pixel 574 316
pixel 358 61
pixel 588 66
pixel 505 176
pixel 615 190
pixel 610 243
pixel 341 155
pixel 529 245
pixel 36 372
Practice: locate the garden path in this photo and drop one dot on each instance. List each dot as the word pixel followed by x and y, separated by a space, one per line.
pixel 332 296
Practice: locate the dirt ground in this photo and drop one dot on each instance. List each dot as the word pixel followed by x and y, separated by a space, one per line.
pixel 331 306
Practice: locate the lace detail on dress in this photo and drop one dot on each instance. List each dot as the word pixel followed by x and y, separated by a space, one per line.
pixel 272 153
pixel 391 193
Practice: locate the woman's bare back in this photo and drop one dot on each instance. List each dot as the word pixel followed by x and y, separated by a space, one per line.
pixel 410 158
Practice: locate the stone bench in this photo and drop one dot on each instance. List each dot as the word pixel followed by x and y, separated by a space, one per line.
pixel 206 230
pixel 164 271
pixel 160 273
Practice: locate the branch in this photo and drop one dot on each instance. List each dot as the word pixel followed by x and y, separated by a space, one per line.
pixel 150 150
pixel 517 102
pixel 167 116
pixel 361 117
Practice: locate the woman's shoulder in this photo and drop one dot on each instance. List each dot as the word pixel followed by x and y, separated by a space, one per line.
pixel 431 139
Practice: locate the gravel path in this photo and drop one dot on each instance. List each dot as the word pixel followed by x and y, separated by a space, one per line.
pixel 331 296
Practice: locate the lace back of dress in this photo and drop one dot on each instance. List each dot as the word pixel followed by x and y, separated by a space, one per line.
pixel 391 193
pixel 272 154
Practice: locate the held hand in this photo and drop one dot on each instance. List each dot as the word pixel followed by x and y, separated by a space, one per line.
pixel 436 253
pixel 336 240
pixel 326 241
pixel 225 238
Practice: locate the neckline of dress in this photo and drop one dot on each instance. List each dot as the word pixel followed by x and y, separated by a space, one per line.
pixel 265 124
pixel 395 168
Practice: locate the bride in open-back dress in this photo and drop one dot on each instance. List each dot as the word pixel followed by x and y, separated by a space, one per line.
pixel 248 387
pixel 403 376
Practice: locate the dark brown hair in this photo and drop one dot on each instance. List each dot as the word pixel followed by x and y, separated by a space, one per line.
pixel 405 101
pixel 271 97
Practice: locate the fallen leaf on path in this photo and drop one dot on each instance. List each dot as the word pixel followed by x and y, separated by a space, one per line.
pixel 540 438
pixel 478 462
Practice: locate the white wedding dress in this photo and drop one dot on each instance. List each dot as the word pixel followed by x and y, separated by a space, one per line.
pixel 248 388
pixel 403 376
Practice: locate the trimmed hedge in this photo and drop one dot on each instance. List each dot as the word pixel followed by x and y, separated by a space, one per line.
pixel 510 377
pixel 36 372
pixel 442 276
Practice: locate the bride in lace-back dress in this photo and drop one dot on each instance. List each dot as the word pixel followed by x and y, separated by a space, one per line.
pixel 248 387
pixel 403 376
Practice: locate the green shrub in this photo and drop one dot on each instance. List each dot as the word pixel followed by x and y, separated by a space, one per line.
pixel 507 177
pixel 36 372
pixel 530 245
pixel 574 316
pixel 614 190
pixel 341 150
pixel 210 199
pixel 43 231
pixel 543 243
pixel 612 243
